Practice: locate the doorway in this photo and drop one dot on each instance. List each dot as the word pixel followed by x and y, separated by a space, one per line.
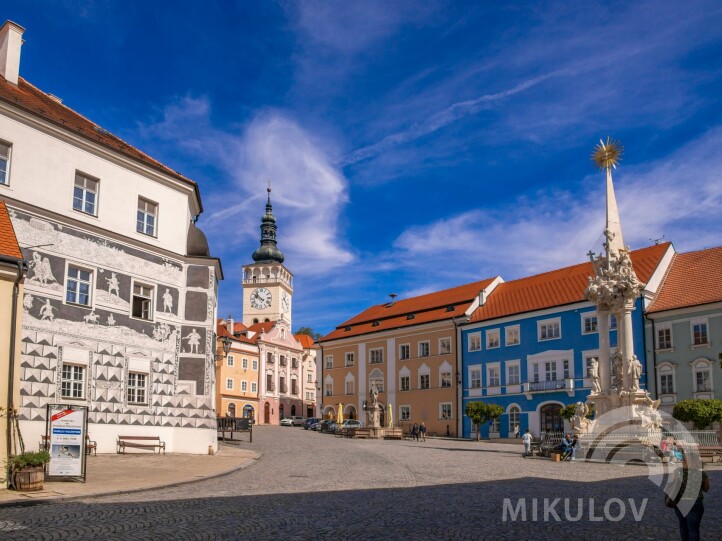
pixel 551 418
pixel 267 414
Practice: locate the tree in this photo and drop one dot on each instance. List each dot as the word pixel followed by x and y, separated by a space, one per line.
pixel 309 332
pixel 567 412
pixel 481 412
pixel 701 413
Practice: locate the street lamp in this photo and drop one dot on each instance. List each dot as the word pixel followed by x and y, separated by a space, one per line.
pixel 226 343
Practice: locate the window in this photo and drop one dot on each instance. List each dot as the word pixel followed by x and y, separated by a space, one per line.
pixel 589 324
pixel 376 356
pixel 475 341
pixel 514 417
pixel 404 352
pixel 404 413
pixel 4 163
pixel 377 378
pixel 308 377
pixel 282 360
pixel 229 384
pixel 349 387
pixel 424 380
pixel 444 346
pixel 244 386
pixel 475 378
pixel 78 286
pixel 72 381
pixel 512 336
pixel 147 213
pixel 255 364
pixel 329 389
pixel 230 361
pixel 494 426
pixel 492 339
pixel 565 365
pixel 536 373
pixel 136 388
pixel 699 333
pixel 513 374
pixel 424 349
pixel 282 384
pixel 549 329
pixel 612 322
pixel 328 361
pixel 550 370
pixel 294 386
pixel 404 383
pixel 446 379
pixel 142 301
pixel 493 377
pixel 85 194
pixel 254 387
pixel 666 383
pixel 244 364
pixel 588 363
pixel 445 410
pixel 349 359
pixel 664 338
pixel 703 381
pixel 269 383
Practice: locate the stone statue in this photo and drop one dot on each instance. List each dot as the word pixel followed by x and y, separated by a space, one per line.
pixel 596 386
pixel 618 363
pixel 635 371
pixel 579 421
pixel 374 394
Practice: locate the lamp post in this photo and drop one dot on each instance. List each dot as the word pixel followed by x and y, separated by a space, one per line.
pixel 226 343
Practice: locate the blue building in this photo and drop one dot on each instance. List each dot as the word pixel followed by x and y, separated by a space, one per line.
pixel 529 345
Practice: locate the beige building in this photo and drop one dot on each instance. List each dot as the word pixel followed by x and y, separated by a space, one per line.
pixel 309 375
pixel 12 273
pixel 237 371
pixel 408 350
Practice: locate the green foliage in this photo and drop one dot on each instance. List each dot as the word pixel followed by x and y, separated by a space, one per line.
pixel 481 412
pixel 309 332
pixel 28 459
pixel 701 413
pixel 567 412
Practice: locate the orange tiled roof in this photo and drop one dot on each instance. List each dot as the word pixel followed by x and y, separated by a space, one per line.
pixel 222 331
pixel 557 287
pixel 425 309
pixel 306 341
pixel 8 241
pixel 33 100
pixel 258 328
pixel 694 278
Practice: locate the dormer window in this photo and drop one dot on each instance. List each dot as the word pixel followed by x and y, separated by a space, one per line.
pixel 411 316
pixel 347 328
pixel 375 323
pixel 450 308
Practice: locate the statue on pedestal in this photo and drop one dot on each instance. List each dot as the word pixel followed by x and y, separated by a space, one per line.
pixel 594 369
pixel 635 372
pixel 374 394
pixel 618 363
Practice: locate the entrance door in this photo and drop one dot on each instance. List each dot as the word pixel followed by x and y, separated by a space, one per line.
pixel 267 414
pixel 280 411
pixel 551 418
pixel 293 410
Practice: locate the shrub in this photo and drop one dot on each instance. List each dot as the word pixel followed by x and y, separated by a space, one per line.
pixel 701 413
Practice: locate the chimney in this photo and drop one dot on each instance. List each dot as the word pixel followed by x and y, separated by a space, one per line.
pixel 229 324
pixel 11 40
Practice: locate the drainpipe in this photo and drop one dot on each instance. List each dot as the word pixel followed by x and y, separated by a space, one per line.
pixel 22 268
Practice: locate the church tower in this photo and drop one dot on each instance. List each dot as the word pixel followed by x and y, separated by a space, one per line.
pixel 267 284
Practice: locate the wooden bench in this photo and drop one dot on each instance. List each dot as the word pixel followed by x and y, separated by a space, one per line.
pixel 140 442
pixel 90 445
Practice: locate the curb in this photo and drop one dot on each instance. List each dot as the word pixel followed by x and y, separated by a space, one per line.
pixel 65 499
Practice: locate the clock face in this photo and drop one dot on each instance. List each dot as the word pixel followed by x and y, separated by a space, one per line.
pixel 260 298
pixel 285 302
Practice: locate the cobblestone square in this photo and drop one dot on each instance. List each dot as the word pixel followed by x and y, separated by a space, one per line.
pixel 316 486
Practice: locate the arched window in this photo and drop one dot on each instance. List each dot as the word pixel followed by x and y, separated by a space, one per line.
pixel 550 417
pixel 231 410
pixel 514 418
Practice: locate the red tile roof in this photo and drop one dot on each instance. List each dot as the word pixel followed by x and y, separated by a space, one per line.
pixel 694 278
pixel 557 287
pixel 258 328
pixel 33 100
pixel 306 341
pixel 222 330
pixel 425 309
pixel 8 241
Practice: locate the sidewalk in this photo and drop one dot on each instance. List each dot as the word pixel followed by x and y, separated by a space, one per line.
pixel 114 474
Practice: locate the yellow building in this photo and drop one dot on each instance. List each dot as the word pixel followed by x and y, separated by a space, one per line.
pixel 12 273
pixel 237 372
pixel 408 350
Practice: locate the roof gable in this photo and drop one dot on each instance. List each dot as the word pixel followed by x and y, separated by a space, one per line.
pixel 9 246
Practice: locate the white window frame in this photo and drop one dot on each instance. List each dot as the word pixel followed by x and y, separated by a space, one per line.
pixel 244 363
pixel 472 379
pixel 72 381
pixel 376 356
pixel 230 360
pixel 666 369
pixel 328 362
pixel 508 366
pixel 443 350
pixel 442 405
pixel 350 386
pixel 446 369
pixel 349 358
pixel 496 368
pixel 254 364
pixel 493 338
pixel 150 300
pixel 79 175
pixel 698 366
pixel 137 388
pixel 589 316
pixel 474 341
pixel 229 384
pixel 254 387
pixel 404 412
pixel 404 375
pixel 377 377
pixel 663 327
pixel 699 321
pixel 514 418
pixel 407 349
pixel 244 386
pixel 149 208
pixel 424 348
pixel 556 321
pixel 427 376
pixel 508 331
pixel 90 282
pixel 7 158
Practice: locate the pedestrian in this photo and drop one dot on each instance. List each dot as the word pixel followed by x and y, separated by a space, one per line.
pixel 694 476
pixel 575 445
pixel 415 432
pixel 516 431
pixel 526 440
pixel 422 431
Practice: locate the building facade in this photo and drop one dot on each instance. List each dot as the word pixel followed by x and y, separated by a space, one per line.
pixel 684 330
pixel 119 308
pixel 408 350
pixel 237 372
pixel 528 347
pixel 309 375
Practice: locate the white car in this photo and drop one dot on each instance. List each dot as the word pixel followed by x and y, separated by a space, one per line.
pixel 287 421
pixel 351 423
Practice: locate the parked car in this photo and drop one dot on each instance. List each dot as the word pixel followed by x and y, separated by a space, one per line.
pixel 310 422
pixel 323 425
pixel 331 427
pixel 298 420
pixel 351 423
pixel 287 421
pixel 315 426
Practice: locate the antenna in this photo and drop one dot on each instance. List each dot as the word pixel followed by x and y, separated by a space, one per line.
pixel 656 241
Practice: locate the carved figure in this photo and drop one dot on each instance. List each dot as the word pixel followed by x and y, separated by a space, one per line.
pixel 596 386
pixel 113 285
pixel 618 363
pixel 46 311
pixel 194 340
pixel 635 371
pixel 92 317
pixel 42 273
pixel 28 302
pixel 167 301
pixel 111 320
pixel 374 394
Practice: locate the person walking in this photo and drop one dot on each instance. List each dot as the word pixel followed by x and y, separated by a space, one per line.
pixel 415 432
pixel 516 431
pixel 422 431
pixel 694 476
pixel 526 440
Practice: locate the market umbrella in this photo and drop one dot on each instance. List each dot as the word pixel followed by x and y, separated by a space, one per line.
pixel 339 416
pixel 390 412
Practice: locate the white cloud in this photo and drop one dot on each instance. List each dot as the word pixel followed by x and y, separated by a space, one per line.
pixel 673 197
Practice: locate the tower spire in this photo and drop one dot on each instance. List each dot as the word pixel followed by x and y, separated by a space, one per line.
pixel 268 250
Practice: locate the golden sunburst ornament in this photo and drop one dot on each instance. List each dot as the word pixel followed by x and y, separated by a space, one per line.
pixel 607 154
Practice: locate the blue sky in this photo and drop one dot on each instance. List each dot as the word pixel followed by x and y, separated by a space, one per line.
pixel 412 146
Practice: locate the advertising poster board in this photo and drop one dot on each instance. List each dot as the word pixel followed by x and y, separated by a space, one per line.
pixel 66 429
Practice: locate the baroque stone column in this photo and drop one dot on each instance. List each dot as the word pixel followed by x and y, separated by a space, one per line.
pixel 604 362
